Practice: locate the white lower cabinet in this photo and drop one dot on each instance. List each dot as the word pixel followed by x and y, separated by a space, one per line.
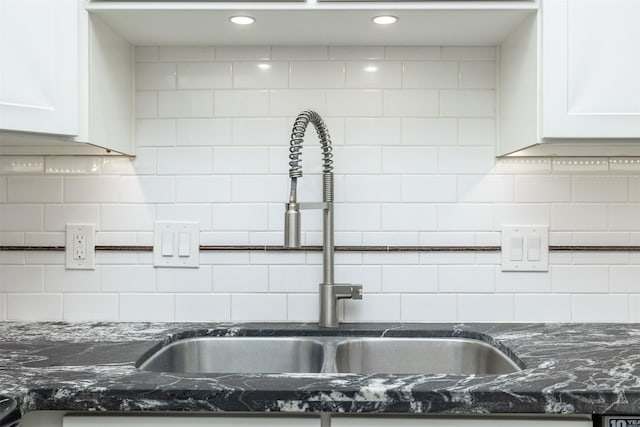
pixel 338 421
pixel 388 421
pixel 188 421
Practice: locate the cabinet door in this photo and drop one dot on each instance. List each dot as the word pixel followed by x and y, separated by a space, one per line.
pixel 39 66
pixel 188 421
pixel 459 422
pixel 590 68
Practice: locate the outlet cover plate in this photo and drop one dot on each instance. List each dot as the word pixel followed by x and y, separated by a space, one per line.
pixel 176 244
pixel 525 248
pixel 80 247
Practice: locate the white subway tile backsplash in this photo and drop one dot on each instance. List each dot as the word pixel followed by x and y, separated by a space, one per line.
pixel 243 53
pixel 468 279
pixel 354 103
pixel 194 132
pixel 299 53
pixel 413 136
pixel 91 307
pixel 290 102
pixel 408 53
pixel 192 103
pixel 469 52
pixel 624 217
pixel 477 132
pixel 429 75
pixel 146 105
pixel 484 308
pixel 184 279
pixel 58 279
pixel 259 307
pixel 202 308
pixel 34 189
pixel 378 308
pixel 317 75
pixel 204 75
pixel 467 103
pixel 578 217
pixel 155 133
pixel 295 278
pixel 127 217
pixel 408 160
pixel 235 279
pixel 522 282
pixel 21 278
pixel 377 132
pixel 134 278
pixel 147 189
pixel 485 188
pixel 252 75
pixel 302 308
pixel 200 213
pixel 411 103
pixel 241 103
pixel 429 308
pixel 203 189
pixel 428 188
pixel 580 278
pixel 478 75
pixel 155 76
pixel 372 188
pixel 429 131
pixel 409 217
pixel 542 308
pixel 600 308
pixel 465 217
pixel 356 52
pixel 599 189
pixel 34 307
pixel 239 217
pixel 187 161
pixel 57 216
pixel 409 279
pixel 373 74
pixel 186 53
pixel 465 160
pixel 147 308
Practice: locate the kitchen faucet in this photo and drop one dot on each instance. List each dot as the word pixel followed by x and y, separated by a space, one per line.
pixel 330 292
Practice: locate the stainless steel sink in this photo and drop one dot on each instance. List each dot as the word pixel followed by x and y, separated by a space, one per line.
pixel 421 355
pixel 358 355
pixel 239 355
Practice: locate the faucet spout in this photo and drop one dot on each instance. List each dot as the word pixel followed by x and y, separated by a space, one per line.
pixel 330 293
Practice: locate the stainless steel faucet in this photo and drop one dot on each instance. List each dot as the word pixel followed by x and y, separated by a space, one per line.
pixel 330 292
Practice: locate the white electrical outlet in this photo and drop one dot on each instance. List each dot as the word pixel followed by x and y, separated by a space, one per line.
pixel 80 247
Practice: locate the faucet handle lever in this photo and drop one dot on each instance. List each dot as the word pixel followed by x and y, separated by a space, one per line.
pixel 348 291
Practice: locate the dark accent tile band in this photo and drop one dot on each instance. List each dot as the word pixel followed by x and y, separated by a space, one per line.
pixel 381 248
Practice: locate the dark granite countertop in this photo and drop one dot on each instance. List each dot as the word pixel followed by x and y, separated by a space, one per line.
pixel 569 369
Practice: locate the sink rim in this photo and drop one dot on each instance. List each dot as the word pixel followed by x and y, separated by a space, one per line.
pixel 331 342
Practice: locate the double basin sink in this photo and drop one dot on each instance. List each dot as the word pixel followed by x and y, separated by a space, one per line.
pixel 358 355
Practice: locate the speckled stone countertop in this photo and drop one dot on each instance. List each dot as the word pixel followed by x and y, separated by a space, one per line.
pixel 569 368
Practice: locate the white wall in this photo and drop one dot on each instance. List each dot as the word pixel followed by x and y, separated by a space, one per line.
pixel 414 155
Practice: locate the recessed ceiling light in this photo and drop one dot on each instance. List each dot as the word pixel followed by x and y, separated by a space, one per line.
pixel 264 66
pixel 385 19
pixel 371 68
pixel 242 20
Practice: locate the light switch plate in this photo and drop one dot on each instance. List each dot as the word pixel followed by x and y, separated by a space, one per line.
pixel 176 244
pixel 525 248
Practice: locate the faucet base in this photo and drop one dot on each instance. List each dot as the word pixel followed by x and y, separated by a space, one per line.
pixel 329 297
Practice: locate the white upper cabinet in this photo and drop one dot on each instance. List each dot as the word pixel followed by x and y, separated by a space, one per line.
pixel 39 66
pixel 66 84
pixel 591 69
pixel 569 81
